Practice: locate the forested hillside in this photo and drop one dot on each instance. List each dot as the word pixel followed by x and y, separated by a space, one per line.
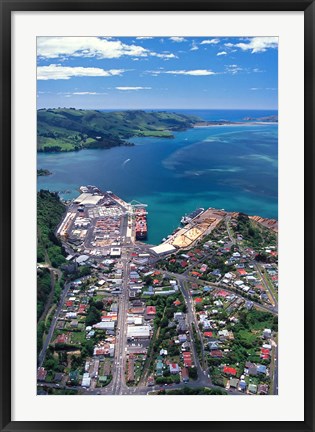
pixel 49 250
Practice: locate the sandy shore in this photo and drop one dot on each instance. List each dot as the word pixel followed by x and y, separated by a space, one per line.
pixel 235 124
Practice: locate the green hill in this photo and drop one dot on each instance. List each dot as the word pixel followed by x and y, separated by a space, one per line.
pixel 67 129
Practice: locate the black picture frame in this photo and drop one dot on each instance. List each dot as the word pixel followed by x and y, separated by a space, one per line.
pixel 7 7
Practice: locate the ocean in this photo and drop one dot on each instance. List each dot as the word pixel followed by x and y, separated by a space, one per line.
pixel 230 167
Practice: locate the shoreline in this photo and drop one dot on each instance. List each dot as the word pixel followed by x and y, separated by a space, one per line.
pixel 256 123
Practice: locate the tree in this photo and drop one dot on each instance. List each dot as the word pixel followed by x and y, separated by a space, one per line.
pixel 193 373
pixel 93 316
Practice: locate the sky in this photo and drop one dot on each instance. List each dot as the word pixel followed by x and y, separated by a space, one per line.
pixel 157 72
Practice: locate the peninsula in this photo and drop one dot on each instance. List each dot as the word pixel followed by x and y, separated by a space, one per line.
pixel 69 129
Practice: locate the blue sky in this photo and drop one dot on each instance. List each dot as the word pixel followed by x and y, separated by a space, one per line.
pixel 160 72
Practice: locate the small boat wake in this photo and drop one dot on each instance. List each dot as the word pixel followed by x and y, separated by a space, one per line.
pixel 125 162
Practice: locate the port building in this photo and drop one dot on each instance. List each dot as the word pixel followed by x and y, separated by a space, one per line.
pixel 163 249
pixel 88 199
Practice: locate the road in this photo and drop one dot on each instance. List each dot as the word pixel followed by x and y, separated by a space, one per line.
pixel 118 385
pixel 47 341
pixel 192 320
pixel 275 371
pixel 182 277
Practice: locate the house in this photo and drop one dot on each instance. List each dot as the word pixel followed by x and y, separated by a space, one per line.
pixel 265 354
pixel 198 300
pixel 263 389
pixel 261 369
pixel 150 312
pixel 86 380
pixel 182 338
pixel 252 388
pixel 241 271
pixel 174 368
pixel 229 370
pixel 61 339
pixel 250 369
pixel 267 334
pixel 163 352
pixel 182 326
pixel 208 334
pixel 218 303
pixel 185 346
pixel 216 353
pixel 187 359
pixel 242 385
pixel 74 324
pixel 213 345
pixel 234 382
pixel 41 374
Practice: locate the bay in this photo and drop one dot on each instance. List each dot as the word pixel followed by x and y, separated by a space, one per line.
pixel 230 167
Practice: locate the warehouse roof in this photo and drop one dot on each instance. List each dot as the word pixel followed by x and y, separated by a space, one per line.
pixel 88 199
pixel 163 248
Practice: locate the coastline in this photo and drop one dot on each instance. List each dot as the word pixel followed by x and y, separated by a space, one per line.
pixel 256 123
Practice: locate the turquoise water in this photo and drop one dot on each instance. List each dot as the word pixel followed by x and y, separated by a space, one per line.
pixel 230 167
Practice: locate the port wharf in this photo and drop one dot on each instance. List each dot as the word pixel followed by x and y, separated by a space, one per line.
pixel 97 222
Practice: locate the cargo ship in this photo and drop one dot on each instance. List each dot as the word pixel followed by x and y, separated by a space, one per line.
pixel 141 224
pixel 188 218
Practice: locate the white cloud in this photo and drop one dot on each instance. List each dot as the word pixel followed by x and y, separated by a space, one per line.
pixel 229 45
pixel 165 55
pixel 80 93
pixel 177 39
pixel 56 47
pixel 133 88
pixel 195 72
pixel 221 53
pixel 87 93
pixel 194 46
pixel 233 69
pixel 58 72
pixel 210 42
pixel 144 37
pixel 258 44
pixel 255 88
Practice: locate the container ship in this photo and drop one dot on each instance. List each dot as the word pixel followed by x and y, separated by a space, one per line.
pixel 141 224
pixel 188 218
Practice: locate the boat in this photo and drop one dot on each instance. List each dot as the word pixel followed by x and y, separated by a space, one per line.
pixel 188 218
pixel 141 224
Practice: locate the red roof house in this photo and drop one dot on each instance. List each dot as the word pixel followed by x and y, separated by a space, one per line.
pixel 242 272
pixel 229 370
pixel 187 359
pixel 207 334
pixel 151 310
